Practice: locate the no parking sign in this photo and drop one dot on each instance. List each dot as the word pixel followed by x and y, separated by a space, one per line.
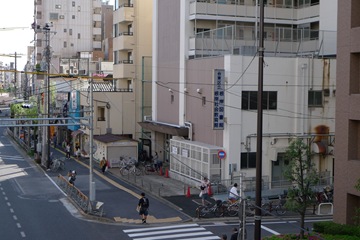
pixel 221 154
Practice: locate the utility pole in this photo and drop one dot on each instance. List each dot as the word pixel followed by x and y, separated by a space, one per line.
pixel 258 187
pixel 91 150
pixel 46 139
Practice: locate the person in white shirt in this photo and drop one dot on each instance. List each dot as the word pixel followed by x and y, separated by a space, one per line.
pixel 233 195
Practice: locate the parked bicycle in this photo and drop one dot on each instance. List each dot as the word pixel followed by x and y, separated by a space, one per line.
pixel 129 166
pixel 215 209
pixel 57 165
pixel 276 206
pixel 148 168
pixel 232 209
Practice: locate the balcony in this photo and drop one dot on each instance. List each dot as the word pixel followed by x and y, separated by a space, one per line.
pixel 124 41
pixel 276 14
pixel 96 45
pixel 96 31
pixel 125 13
pixel 124 69
pixel 97 17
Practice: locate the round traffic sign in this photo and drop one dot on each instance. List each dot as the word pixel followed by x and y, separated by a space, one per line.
pixel 221 154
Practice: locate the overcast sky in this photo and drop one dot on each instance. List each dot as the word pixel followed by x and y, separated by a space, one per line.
pixel 15 14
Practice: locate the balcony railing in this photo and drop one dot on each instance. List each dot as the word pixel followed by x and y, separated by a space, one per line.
pixel 125 34
pixel 105 87
pixel 277 41
pixel 125 62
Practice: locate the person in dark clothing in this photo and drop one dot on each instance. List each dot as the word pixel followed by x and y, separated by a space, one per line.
pixel 224 237
pixel 143 207
pixel 234 235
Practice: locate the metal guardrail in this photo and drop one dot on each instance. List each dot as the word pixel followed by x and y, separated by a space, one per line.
pixel 90 207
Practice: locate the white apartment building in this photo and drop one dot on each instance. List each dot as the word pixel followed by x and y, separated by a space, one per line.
pixel 205 72
pixel 75 26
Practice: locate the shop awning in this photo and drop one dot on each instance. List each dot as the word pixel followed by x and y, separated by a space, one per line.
pixel 163 128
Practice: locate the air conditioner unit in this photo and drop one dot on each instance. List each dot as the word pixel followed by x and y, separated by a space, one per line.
pixel 61 16
pixel 75 71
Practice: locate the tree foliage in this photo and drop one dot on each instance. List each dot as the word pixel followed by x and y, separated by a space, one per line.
pixel 301 172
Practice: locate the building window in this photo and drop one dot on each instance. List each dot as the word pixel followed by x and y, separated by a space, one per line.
pixel 39 42
pixel 70 31
pixel 58 6
pixel 65 30
pixel 248 160
pixel 172 98
pixel 73 3
pixel 54 16
pixel 73 16
pixel 315 98
pixel 38 15
pixel 101 113
pixel 203 101
pixel 65 44
pixel 79 36
pixel 249 100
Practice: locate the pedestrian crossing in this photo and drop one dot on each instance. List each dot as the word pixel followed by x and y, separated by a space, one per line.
pixel 178 232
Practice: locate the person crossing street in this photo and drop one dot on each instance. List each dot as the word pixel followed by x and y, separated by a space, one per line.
pixel 143 207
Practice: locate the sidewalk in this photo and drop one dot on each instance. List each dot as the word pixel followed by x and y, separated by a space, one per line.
pixel 165 193
pixel 173 201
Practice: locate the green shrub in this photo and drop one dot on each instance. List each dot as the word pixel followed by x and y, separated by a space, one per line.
pixel 336 229
pixel 340 237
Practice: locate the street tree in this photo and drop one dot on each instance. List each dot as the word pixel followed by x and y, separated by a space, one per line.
pixel 301 172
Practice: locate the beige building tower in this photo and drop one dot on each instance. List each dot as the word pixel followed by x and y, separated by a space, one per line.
pixel 132 59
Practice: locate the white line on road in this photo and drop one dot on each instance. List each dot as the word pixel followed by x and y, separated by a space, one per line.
pixel 55 184
pixel 167 231
pixel 159 228
pixel 269 230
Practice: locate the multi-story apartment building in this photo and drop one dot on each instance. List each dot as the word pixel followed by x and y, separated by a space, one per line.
pixel 347 198
pixel 68 37
pixel 75 27
pixel 132 60
pixel 205 86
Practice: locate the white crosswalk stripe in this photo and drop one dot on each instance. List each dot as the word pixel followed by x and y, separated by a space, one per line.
pixel 12 158
pixel 178 232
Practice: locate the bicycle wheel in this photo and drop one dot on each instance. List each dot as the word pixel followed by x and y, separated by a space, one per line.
pixel 62 165
pixel 265 209
pixel 280 210
pixel 137 171
pixel 203 211
pixel 219 211
pixel 233 210
pixel 124 171
pixel 55 165
pixel 250 210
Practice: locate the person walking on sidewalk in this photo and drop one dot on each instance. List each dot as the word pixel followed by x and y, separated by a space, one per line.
pixel 143 207
pixel 67 150
pixel 103 165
